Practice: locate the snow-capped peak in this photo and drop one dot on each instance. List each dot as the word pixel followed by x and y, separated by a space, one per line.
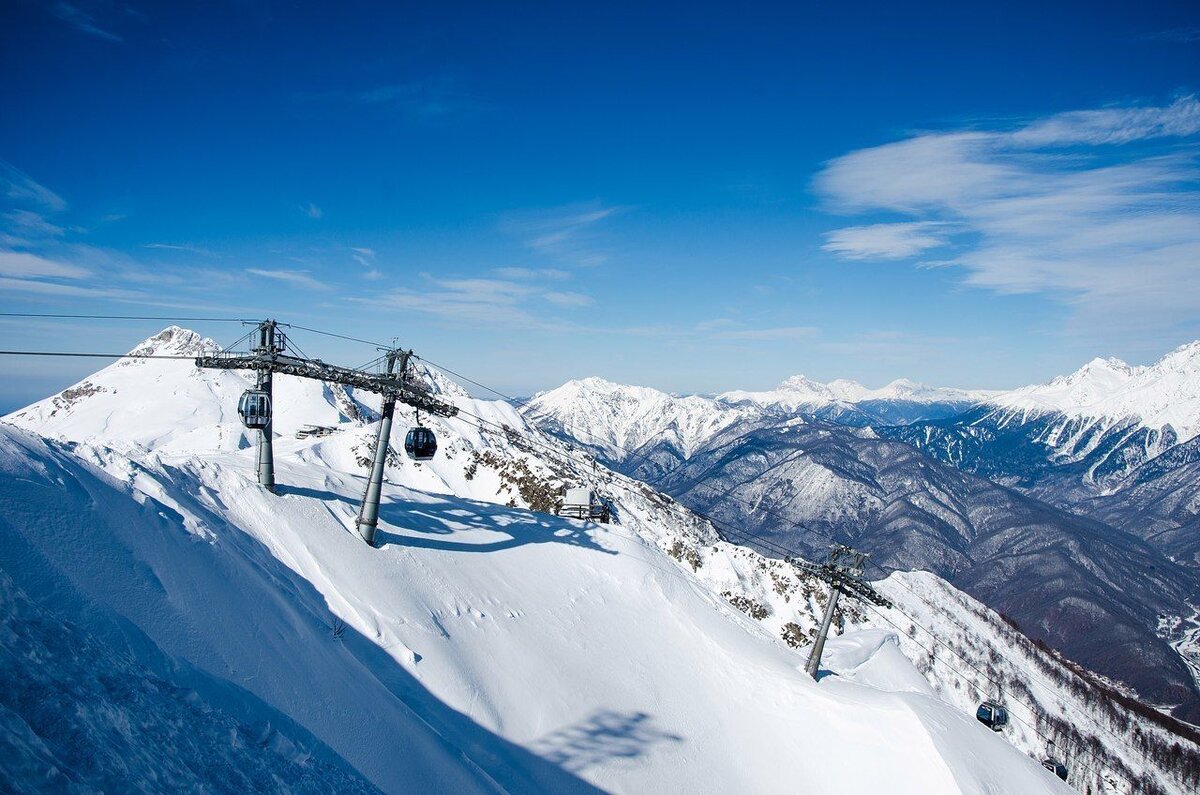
pixel 1164 393
pixel 618 418
pixel 801 392
pixel 175 341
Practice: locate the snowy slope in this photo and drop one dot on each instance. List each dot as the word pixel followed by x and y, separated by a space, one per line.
pixel 482 645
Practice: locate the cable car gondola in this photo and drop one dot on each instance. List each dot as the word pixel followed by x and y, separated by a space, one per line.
pixel 1056 767
pixel 992 715
pixel 420 444
pixel 255 408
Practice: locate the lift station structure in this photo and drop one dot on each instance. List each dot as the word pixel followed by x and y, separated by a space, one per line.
pixel 269 356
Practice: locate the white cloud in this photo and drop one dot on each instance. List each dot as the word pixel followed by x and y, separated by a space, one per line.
pixel 366 257
pixel 20 189
pixel 298 278
pixel 65 290
pixel 885 241
pixel 30 222
pixel 1099 208
pixel 311 210
pixel 22 263
pixel 1113 125
pixel 483 301
pixel 547 274
pixel 567 299
pixel 567 234
pixel 189 249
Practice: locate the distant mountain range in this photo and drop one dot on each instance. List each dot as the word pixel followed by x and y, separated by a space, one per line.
pixel 1071 506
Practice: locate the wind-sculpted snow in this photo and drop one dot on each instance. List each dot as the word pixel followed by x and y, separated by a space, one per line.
pixel 80 713
pixel 481 647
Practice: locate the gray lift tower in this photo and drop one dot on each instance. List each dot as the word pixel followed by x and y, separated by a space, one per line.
pixel 269 356
pixel 844 573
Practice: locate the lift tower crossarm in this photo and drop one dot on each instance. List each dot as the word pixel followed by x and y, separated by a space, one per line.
pixel 388 385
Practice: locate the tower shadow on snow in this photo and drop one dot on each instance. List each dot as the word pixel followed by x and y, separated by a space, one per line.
pixel 437 522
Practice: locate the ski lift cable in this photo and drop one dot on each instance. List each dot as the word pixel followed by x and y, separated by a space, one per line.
pixel 971 683
pixel 97 355
pixel 126 317
pixel 781 550
pixel 785 552
pixel 338 336
pixel 735 534
pixel 968 631
pixel 725 530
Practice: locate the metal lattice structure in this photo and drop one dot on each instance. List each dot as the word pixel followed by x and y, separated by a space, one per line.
pixel 844 574
pixel 269 357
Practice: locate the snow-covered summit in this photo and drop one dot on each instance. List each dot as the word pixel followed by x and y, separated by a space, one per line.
pixel 1164 393
pixel 175 341
pixel 618 419
pixel 800 392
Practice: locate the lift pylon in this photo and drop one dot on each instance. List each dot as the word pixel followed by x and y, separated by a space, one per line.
pixel 844 573
pixel 269 356
pixel 368 513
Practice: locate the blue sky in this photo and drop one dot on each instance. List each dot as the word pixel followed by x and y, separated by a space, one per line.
pixel 694 197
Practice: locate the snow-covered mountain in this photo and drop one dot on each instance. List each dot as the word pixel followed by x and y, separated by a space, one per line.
pixel 1063 577
pixel 1091 442
pixel 800 394
pixel 1164 394
pixel 1072 445
pixel 647 432
pixel 482 647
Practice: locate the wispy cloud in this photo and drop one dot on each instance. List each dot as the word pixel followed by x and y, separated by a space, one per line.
pixel 188 249
pixel 18 188
pixel 297 278
pixel 311 210
pixel 366 257
pixel 84 22
pixel 766 334
pixel 71 290
pixel 22 263
pixel 1112 125
pixel 425 98
pixel 483 302
pixel 546 274
pixel 567 234
pixel 568 299
pixel 1099 208
pixel 1175 35
pixel 30 222
pixel 885 241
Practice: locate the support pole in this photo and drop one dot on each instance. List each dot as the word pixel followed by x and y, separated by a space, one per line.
pixel 368 514
pixel 266 449
pixel 814 658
